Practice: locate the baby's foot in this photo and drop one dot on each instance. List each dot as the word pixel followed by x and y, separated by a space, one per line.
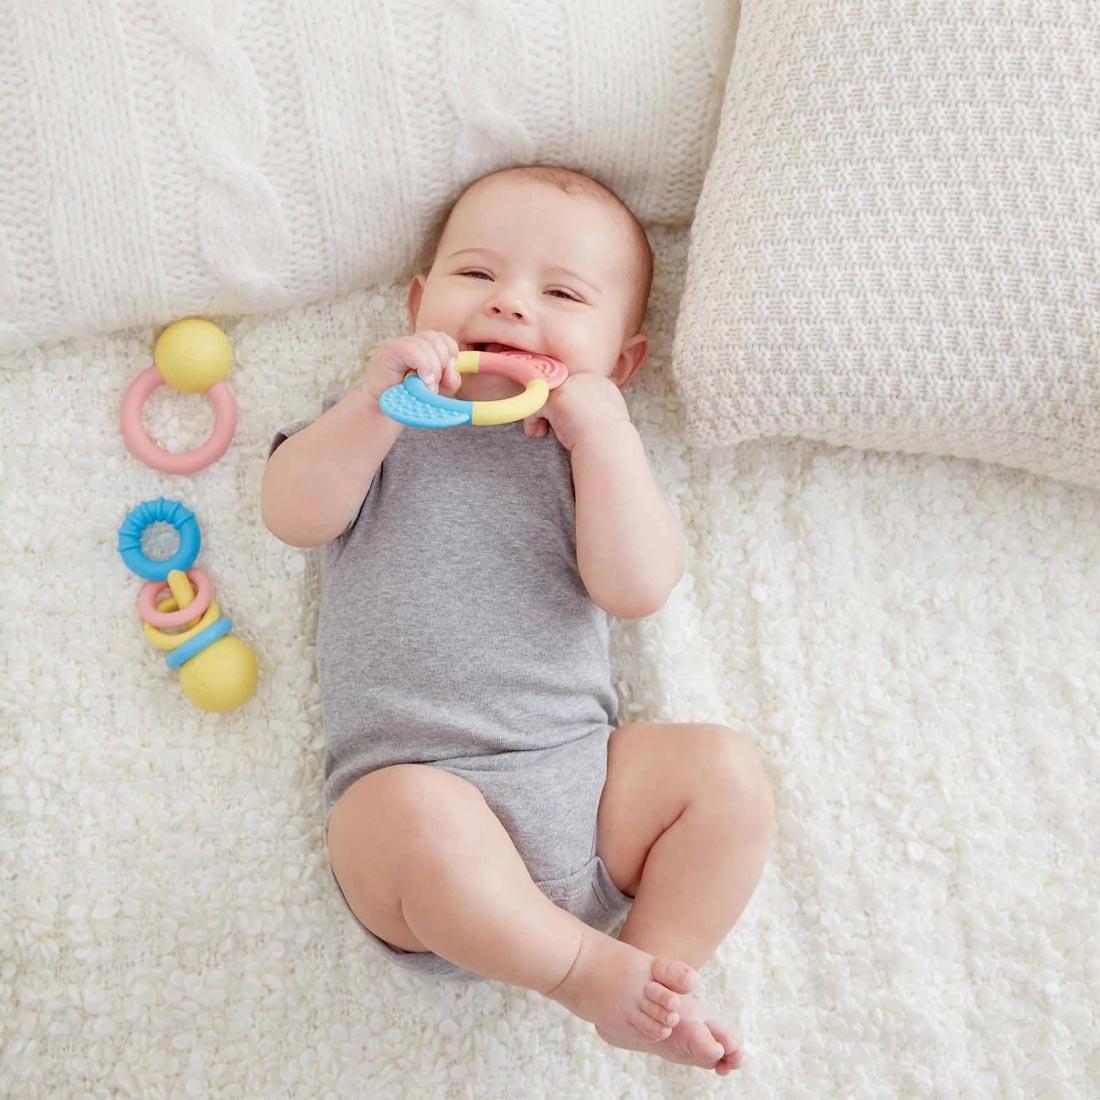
pixel 696 1040
pixel 631 997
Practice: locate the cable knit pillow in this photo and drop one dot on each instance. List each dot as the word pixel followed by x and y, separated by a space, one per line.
pixel 897 245
pixel 160 157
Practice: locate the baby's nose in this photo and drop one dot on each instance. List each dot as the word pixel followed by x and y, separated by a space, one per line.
pixel 512 310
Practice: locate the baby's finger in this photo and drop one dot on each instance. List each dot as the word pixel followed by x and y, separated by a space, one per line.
pixel 449 350
pixel 428 369
pixel 438 341
pixel 451 380
pixel 454 378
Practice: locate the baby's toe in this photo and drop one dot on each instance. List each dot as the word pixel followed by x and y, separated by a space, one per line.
pixel 678 976
pixel 731 1058
pixel 661 1015
pixel 648 1027
pixel 663 996
pixel 704 1045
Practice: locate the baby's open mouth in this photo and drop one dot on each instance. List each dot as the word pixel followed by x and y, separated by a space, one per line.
pixel 491 346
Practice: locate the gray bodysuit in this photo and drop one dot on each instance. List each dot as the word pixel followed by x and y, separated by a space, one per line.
pixel 455 631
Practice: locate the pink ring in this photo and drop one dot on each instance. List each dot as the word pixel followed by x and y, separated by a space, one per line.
pixel 153 590
pixel 190 462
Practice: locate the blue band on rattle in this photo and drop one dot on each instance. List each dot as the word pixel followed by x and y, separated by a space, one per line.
pixel 217 629
pixel 159 511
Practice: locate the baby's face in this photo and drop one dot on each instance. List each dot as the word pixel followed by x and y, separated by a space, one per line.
pixel 524 264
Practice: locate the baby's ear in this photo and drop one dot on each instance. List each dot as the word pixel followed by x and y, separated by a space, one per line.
pixel 416 292
pixel 630 359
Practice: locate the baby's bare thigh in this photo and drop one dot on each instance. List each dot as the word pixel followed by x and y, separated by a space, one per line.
pixel 377 832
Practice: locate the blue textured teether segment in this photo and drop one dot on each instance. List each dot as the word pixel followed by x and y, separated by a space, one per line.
pixel 412 403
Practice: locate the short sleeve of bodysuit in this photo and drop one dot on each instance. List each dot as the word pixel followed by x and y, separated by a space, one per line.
pixel 454 622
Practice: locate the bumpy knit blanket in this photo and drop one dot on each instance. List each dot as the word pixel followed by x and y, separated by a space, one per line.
pixel 912 641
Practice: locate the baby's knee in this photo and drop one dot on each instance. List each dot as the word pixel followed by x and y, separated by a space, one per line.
pixel 736 773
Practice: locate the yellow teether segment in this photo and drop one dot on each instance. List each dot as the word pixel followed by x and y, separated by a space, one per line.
pixel 173 641
pixel 193 354
pixel 181 588
pixel 508 409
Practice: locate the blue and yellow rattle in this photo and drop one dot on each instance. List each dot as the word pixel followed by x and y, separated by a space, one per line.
pixel 217 672
pixel 410 402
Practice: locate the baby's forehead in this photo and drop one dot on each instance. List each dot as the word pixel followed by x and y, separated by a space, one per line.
pixel 484 204
pixel 579 230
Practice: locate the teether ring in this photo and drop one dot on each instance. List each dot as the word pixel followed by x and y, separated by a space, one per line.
pixel 193 356
pixel 217 671
pixel 410 402
pixel 159 511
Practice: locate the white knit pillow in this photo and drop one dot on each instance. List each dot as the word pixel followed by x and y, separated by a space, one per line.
pixel 898 241
pixel 166 157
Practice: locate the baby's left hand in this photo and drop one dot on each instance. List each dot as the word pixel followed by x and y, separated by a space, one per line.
pixel 583 403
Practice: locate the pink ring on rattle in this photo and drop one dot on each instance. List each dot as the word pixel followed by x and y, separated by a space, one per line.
pixel 193 356
pixel 190 462
pixel 152 591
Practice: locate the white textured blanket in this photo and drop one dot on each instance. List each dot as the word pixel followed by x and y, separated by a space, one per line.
pixel 912 640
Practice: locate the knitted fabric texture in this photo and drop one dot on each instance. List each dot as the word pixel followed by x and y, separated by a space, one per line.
pixel 898 241
pixel 162 158
pixel 911 642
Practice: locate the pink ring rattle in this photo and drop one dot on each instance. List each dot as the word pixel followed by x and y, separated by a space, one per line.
pixel 193 356
pixel 152 592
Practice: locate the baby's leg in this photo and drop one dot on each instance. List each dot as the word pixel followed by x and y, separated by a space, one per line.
pixel 426 865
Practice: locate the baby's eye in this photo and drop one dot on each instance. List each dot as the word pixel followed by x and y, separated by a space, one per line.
pixel 485 275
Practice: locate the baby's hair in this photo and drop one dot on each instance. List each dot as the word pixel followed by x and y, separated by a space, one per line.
pixel 571 182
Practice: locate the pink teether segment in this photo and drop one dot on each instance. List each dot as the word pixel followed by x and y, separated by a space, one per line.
pixel 522 367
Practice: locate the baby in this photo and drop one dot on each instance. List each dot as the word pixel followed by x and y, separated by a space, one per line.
pixel 484 817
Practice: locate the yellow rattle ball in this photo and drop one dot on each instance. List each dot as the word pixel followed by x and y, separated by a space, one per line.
pixel 193 354
pixel 221 677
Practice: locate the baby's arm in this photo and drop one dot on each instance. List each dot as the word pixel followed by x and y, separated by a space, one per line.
pixel 315 482
pixel 630 551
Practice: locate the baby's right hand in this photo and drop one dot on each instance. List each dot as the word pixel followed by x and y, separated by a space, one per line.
pixel 431 354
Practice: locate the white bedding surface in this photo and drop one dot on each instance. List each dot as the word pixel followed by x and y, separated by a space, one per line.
pixel 912 640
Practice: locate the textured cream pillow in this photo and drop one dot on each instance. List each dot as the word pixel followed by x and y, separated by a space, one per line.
pixel 897 245
pixel 172 158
